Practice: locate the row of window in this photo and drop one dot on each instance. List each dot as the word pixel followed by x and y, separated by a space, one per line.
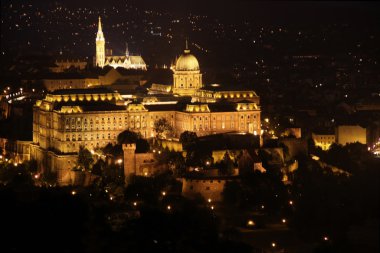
pixel 86 137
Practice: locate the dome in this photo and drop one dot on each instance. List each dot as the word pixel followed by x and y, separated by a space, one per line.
pixel 187 62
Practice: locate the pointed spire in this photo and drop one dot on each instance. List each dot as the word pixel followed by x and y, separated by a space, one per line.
pixel 99 35
pixel 187 46
pixel 100 25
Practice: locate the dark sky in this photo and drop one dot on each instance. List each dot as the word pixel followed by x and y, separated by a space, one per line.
pixel 275 11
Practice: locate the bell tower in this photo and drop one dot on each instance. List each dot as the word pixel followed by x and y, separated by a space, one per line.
pixel 100 46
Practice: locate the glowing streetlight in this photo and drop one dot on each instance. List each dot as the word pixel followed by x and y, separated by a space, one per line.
pixel 283 221
pixel 119 161
pixel 169 207
pixel 251 223
pixel 273 244
pixel 73 193
pixel 209 200
pixel 135 203
pixel 325 238
pixel 290 202
pixel 163 193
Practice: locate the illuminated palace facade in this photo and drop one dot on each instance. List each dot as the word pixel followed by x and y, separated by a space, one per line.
pixel 125 61
pixel 67 119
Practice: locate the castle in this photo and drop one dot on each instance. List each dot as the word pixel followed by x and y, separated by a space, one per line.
pixel 69 118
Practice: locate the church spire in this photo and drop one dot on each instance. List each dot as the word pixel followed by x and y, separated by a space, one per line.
pixel 100 25
pixel 100 46
pixel 99 35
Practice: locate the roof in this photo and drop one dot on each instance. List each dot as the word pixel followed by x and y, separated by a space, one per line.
pixel 187 62
pixel 82 91
pixel 91 106
pixel 69 75
pixel 227 88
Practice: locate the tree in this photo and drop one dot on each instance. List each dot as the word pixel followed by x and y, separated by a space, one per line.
pixel 163 128
pixel 226 166
pixel 188 139
pixel 127 137
pixel 85 159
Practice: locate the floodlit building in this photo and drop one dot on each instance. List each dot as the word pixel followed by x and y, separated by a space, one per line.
pixel 125 61
pixel 69 118
pixel 323 140
pixel 351 133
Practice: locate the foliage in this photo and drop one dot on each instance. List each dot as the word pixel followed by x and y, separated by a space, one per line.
pixel 226 165
pixel 173 160
pixel 85 159
pixel 163 128
pixel 254 190
pixel 128 137
pixel 188 139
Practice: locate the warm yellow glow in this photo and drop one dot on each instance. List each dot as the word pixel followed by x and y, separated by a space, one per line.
pixel 251 223
pixel 169 207
pixel 73 192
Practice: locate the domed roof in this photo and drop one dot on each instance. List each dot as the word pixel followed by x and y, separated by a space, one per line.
pixel 187 62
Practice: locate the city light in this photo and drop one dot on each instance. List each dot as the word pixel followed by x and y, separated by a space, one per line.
pixel 169 207
pixel 73 192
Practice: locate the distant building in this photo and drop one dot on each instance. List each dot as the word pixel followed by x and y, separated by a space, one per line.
pixel 63 65
pixel 125 61
pixel 350 133
pixel 60 81
pixel 323 140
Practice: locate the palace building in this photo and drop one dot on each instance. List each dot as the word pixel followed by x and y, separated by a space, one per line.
pixel 69 118
pixel 125 61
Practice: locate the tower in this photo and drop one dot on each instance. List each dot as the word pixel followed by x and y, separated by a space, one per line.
pixel 129 160
pixel 100 46
pixel 187 76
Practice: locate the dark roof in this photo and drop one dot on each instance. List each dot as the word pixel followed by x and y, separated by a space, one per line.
pixel 232 141
pixel 82 91
pixel 222 107
pixel 92 106
pixel 69 75
pixel 165 107
pixel 227 88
